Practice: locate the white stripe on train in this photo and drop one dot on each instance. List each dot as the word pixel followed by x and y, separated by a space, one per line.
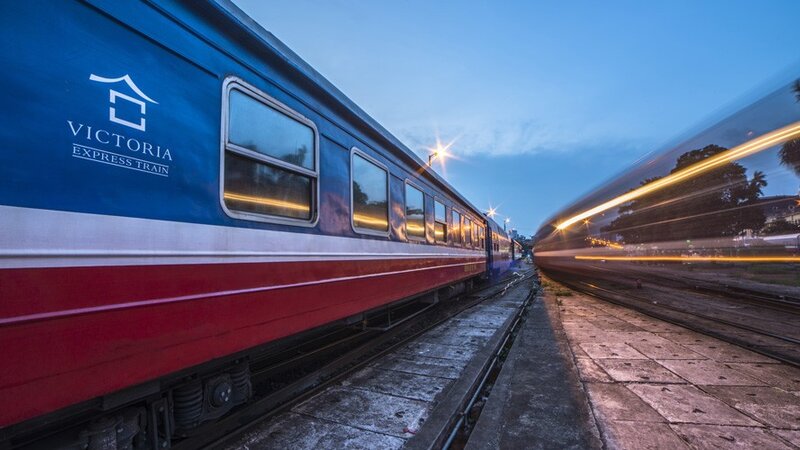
pixel 45 238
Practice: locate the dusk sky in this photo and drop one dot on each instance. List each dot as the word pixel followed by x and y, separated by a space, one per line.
pixel 542 100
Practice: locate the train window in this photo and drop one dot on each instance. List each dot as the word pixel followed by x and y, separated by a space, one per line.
pixel 270 159
pixel 457 239
pixel 476 239
pixel 259 127
pixel 415 213
pixel 440 222
pixel 370 195
pixel 467 232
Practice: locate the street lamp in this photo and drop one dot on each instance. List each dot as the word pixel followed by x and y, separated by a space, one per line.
pixel 440 152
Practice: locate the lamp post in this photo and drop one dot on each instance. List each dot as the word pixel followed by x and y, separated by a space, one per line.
pixel 438 152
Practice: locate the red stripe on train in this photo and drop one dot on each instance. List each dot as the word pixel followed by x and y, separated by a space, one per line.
pixel 66 359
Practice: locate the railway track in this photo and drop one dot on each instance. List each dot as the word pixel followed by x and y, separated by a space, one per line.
pixel 297 374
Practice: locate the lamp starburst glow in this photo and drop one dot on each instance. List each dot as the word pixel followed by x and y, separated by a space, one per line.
pixel 439 151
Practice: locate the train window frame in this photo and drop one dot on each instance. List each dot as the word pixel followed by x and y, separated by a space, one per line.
pixel 408 182
pixel 445 239
pixel 232 83
pixel 460 241
pixel 366 231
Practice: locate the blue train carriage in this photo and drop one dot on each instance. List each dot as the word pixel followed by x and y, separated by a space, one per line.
pixel 516 250
pixel 181 189
pixel 498 249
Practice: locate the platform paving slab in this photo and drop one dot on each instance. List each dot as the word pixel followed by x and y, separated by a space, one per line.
pixel 644 436
pixel 770 406
pixel 708 372
pixel 688 404
pixel 780 375
pixel 301 432
pixel 460 339
pixel 642 370
pixel 726 396
pixel 656 349
pixel 614 401
pixel 730 353
pixel 688 337
pixel 400 384
pixel 589 371
pixel 717 437
pixel 537 401
pixel 435 350
pixel 367 410
pixel 611 351
pixel 422 365
pixel 791 437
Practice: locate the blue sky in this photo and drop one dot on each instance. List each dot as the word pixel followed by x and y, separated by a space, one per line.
pixel 544 100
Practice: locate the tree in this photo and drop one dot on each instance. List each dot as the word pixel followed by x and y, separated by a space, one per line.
pixel 790 152
pixel 718 202
pixel 780 226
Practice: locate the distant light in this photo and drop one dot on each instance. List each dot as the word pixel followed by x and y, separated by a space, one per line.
pixel 493 212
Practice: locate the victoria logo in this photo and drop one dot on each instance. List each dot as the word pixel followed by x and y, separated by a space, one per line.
pixel 114 146
pixel 114 95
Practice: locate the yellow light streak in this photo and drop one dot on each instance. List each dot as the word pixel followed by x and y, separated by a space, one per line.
pixel 415 228
pixel 266 201
pixel 607 243
pixel 773 259
pixel 756 145
pixel 360 219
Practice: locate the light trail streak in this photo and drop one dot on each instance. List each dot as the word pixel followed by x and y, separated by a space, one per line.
pixel 266 201
pixel 774 259
pixel 753 146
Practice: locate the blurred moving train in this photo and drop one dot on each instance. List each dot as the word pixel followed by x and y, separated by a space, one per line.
pixel 179 191
pixel 705 233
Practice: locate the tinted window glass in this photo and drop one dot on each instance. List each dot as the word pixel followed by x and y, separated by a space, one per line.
pixel 467 231
pixel 370 204
pixel 415 212
pixel 439 212
pixel 261 128
pixel 456 227
pixel 440 232
pixel 255 187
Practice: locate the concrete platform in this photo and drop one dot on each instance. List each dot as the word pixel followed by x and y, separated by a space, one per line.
pixel 654 385
pixel 384 405
pixel 537 401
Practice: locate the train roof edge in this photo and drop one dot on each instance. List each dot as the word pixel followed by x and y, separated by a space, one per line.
pixel 297 63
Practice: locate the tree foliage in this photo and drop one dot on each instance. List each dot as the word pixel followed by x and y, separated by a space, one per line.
pixel 718 202
pixel 780 226
pixel 790 152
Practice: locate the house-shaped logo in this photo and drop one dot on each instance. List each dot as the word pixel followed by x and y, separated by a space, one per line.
pixel 113 96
